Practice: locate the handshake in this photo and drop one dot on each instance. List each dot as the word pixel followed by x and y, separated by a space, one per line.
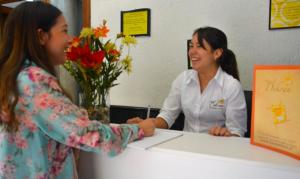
pixel 147 125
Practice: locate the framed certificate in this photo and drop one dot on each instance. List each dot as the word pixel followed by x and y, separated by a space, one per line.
pixel 136 22
pixel 284 14
pixel 275 109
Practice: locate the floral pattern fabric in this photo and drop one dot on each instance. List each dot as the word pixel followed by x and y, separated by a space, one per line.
pixel 50 126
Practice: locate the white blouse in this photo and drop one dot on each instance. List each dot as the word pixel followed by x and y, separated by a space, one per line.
pixel 222 103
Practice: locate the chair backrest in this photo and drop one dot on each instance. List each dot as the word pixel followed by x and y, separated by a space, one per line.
pixel 248 97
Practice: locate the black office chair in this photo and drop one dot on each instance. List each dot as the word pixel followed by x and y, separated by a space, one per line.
pixel 248 97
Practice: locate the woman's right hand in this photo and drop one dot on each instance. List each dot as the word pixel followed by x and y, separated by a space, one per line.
pixel 147 126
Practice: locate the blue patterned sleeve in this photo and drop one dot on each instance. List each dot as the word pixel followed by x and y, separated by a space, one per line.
pixel 43 101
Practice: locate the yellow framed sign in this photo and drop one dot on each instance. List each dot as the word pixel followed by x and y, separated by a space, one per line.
pixel 136 22
pixel 276 109
pixel 284 14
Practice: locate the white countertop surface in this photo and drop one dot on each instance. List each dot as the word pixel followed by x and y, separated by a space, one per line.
pixel 227 148
pixel 190 155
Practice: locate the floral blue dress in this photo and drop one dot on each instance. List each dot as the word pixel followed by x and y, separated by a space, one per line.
pixel 50 126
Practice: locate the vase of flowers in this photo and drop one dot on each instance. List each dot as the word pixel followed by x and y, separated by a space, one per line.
pixel 96 62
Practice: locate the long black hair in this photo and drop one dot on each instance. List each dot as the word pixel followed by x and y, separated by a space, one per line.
pixel 218 40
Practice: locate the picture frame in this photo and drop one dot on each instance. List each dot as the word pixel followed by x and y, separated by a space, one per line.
pixel 136 22
pixel 284 14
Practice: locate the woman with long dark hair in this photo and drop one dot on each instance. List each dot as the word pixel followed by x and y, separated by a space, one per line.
pixel 210 95
pixel 39 125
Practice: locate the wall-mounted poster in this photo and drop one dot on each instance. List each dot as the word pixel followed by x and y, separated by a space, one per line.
pixel 136 22
pixel 284 14
pixel 275 109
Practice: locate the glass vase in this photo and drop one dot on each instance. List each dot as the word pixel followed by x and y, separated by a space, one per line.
pixel 97 106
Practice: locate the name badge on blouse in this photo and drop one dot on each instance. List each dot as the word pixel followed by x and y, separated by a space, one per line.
pixel 217 104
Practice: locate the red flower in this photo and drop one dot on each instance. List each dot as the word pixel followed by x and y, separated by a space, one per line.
pixel 84 52
pixel 97 57
pixel 85 62
pixel 91 59
pixel 87 58
pixel 72 53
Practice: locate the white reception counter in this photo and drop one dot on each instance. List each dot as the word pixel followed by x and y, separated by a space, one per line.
pixel 191 155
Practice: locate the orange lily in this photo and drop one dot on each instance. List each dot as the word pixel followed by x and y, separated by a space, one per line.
pixel 101 31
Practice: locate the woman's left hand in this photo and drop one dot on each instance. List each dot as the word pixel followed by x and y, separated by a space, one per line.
pixel 221 131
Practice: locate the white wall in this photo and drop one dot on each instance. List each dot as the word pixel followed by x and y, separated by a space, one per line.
pixel 160 58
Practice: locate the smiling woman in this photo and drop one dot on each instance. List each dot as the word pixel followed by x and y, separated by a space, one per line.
pixel 210 95
pixel 39 124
